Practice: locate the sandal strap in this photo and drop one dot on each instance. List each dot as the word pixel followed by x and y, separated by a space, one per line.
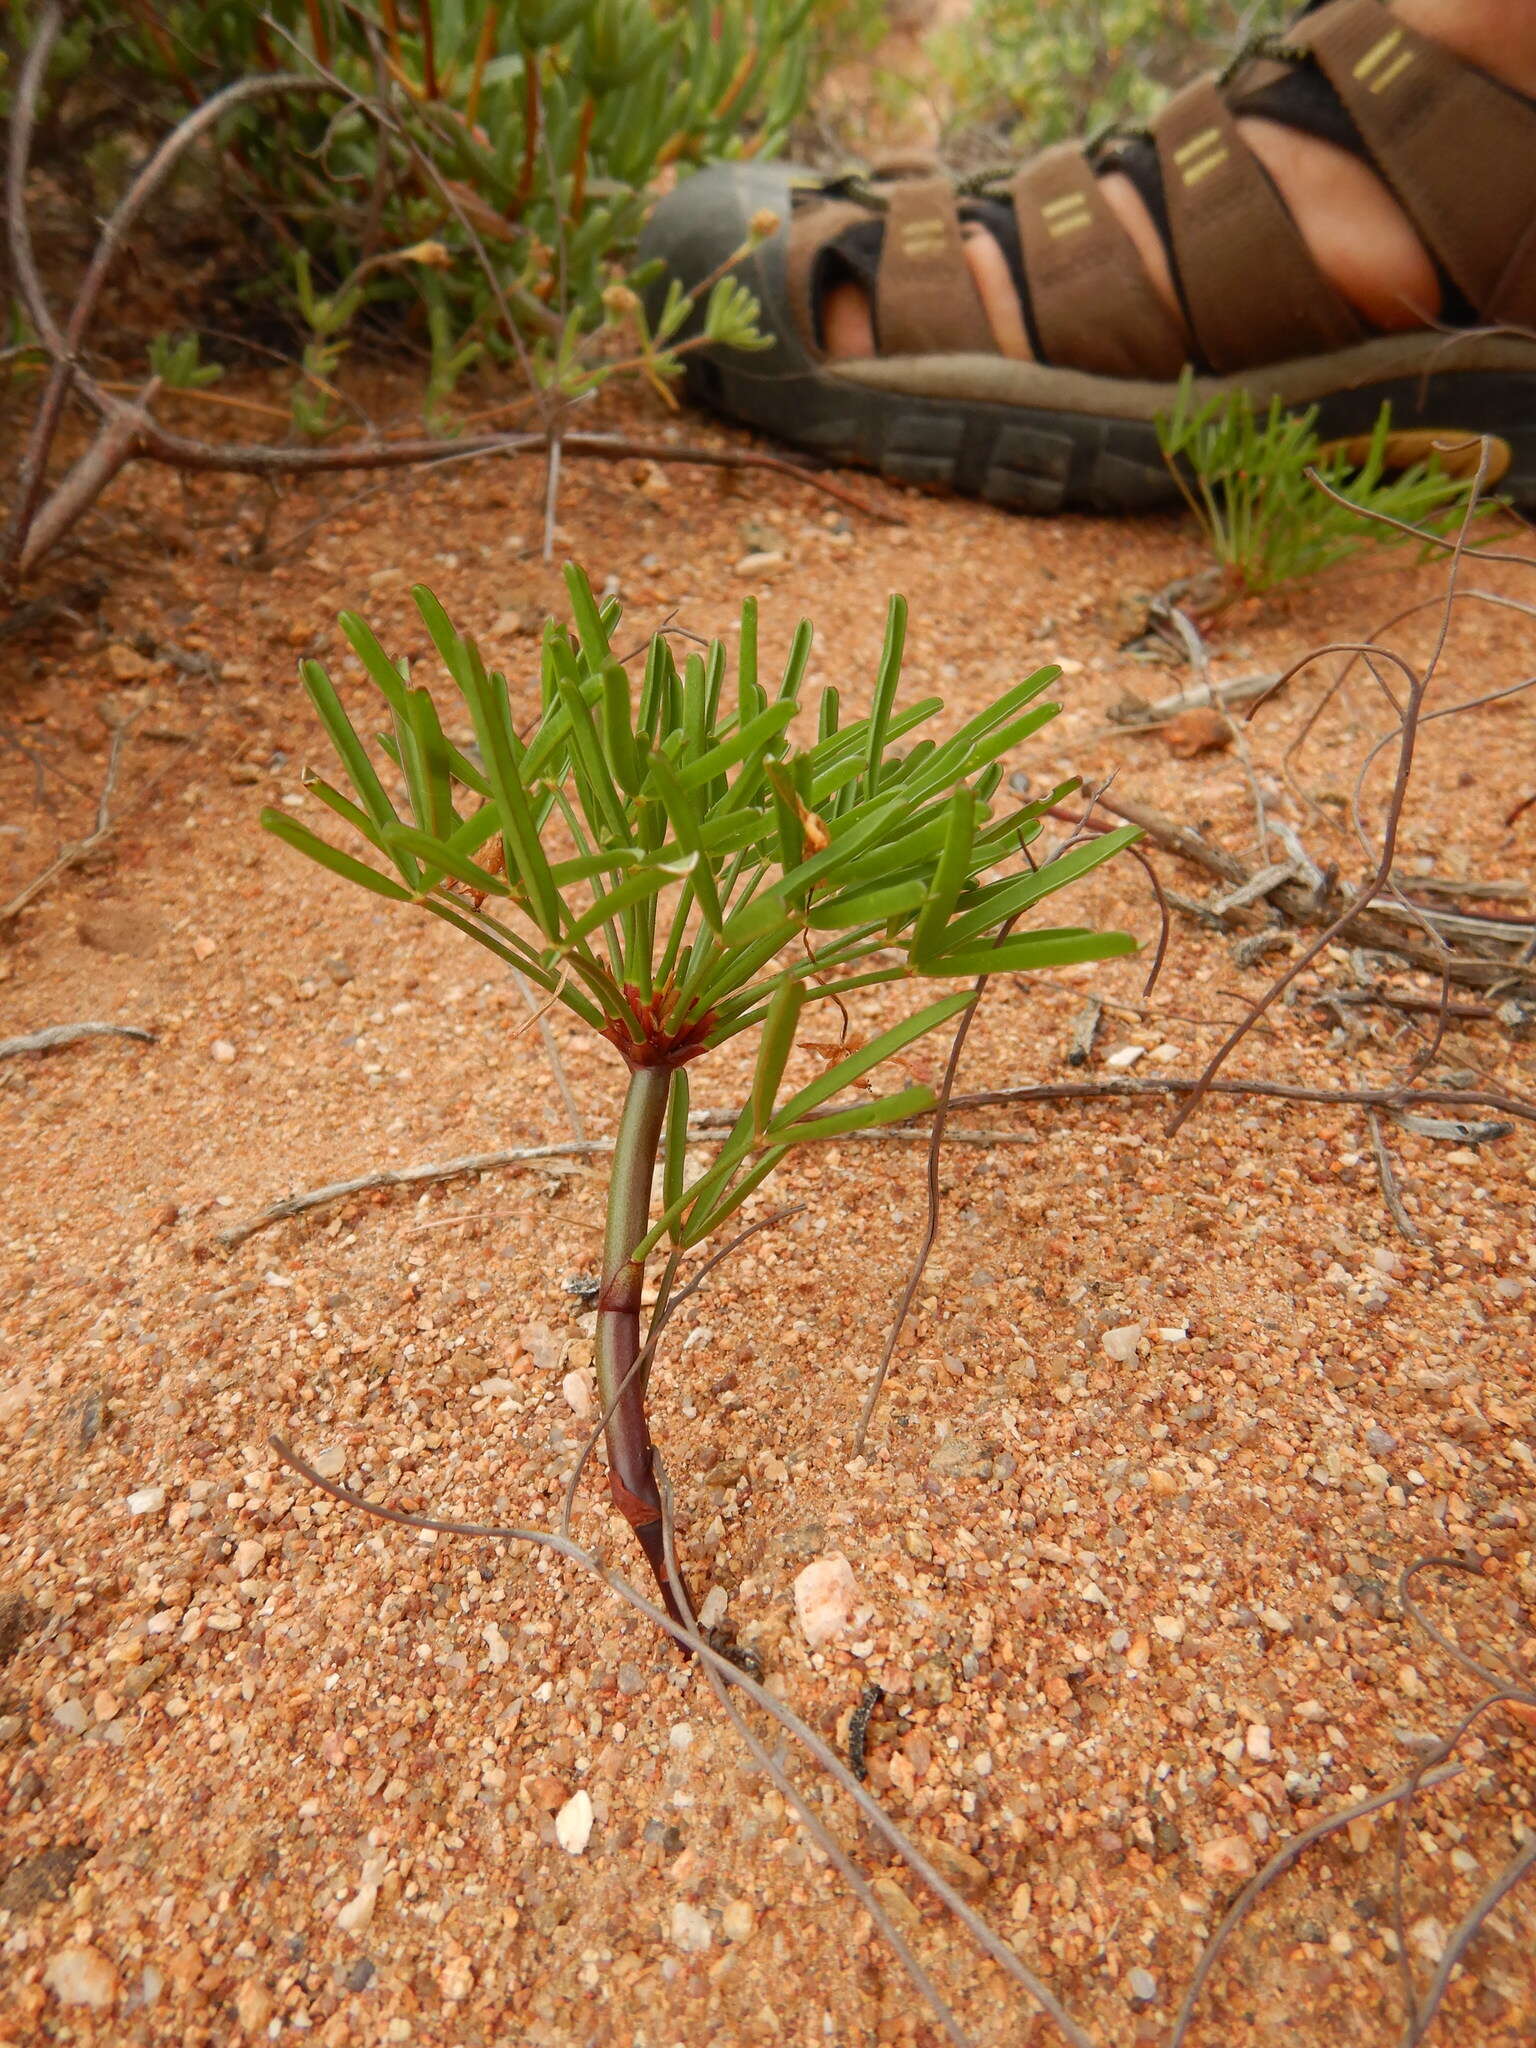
pixel 813 226
pixel 1458 149
pixel 926 302
pixel 1091 303
pixel 1252 290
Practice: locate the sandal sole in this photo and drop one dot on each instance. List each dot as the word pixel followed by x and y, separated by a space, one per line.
pixel 1051 458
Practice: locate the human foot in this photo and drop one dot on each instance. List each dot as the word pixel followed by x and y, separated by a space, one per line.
pixel 1358 234
pixel 1346 220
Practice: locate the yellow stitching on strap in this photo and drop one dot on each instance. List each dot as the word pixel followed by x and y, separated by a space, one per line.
pixel 1393 71
pixel 1196 145
pixel 1070 202
pixel 1071 218
pixel 921 238
pixel 1377 52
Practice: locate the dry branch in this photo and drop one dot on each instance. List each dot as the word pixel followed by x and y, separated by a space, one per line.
pixel 55 1035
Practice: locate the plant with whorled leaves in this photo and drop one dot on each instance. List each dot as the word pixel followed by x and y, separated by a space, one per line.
pixel 667 863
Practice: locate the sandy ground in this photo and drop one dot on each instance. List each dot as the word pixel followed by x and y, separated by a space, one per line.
pixel 271 1769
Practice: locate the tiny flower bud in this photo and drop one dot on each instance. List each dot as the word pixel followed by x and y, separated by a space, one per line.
pixel 764 222
pixel 619 301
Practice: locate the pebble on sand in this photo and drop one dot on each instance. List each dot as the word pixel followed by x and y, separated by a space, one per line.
pixel 573 1823
pixel 824 1595
pixel 690 1930
pixel 81 1976
pixel 1122 1344
pixel 1227 1856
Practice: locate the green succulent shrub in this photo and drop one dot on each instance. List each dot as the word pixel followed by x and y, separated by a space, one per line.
pixel 666 861
pixel 511 169
pixel 1248 477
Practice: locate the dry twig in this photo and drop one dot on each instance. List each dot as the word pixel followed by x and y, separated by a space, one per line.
pixel 55 1035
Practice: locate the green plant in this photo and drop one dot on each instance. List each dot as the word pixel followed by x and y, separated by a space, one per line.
pixel 479 174
pixel 670 866
pixel 1253 481
pixel 1047 70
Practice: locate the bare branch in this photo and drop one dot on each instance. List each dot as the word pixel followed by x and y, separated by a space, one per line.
pixel 54 1035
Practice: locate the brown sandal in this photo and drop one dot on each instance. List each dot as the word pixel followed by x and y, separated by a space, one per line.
pixel 940 405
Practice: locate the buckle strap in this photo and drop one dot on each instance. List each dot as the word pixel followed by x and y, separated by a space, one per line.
pixel 1251 287
pixel 1457 148
pixel 925 300
pixel 1091 303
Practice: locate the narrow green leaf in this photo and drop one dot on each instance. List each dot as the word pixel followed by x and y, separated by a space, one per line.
pixel 343 737
pixel 1017 893
pixel 441 854
pixel 589 626
pixel 697 1227
pixel 1028 951
pixel 859 1063
pixel 684 816
pixel 525 856
pixel 774 1046
pixel 885 689
pixel 618 728
pixel 954 864
pixel 867 906
pixel 757 734
pixel 748 696
pixel 675 1164
pixel 794 667
pixel 635 888
pixel 304 841
pixel 860 1116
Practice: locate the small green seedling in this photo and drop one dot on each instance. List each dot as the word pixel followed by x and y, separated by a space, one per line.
pixel 664 860
pixel 1244 475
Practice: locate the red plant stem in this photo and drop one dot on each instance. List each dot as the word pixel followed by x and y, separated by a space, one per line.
pixel 631 1480
pixel 579 175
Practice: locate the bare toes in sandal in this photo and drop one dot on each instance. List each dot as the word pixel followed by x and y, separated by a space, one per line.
pixel 1347 218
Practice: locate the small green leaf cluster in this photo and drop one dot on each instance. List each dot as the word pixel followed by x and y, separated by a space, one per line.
pixel 176 359
pixel 663 858
pixel 1245 475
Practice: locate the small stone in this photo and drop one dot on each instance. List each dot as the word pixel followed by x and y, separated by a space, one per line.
pixel 545 1791
pixel 1257 1743
pixel 456 1980
pixel 969 1876
pixel 249 1557
pixel 1380 1442
pixel 128 665
pixel 691 1932
pixel 580 1393
pixel 104 1708
pixel 1125 1056
pixel 573 1823
pixel 933 1683
pixel 253 2006
pixel 1200 730
pixel 498 1649
pixel 222 1052
pixel 1140 1988
pixel 81 1976
pixel 358 1911
pixel 760 562
pixel 824 1596
pixel 149 1500
pixel 1169 1626
pixel 712 1610
pixel 330 1464
pixel 1122 1344
pixel 1227 1856
pixel 738 1920
pixel 1164 1483
pixel 72 1717
pixel 631 1680
pixel 507 625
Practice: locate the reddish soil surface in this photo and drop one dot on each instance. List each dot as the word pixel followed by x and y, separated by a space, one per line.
pixel 274 1770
